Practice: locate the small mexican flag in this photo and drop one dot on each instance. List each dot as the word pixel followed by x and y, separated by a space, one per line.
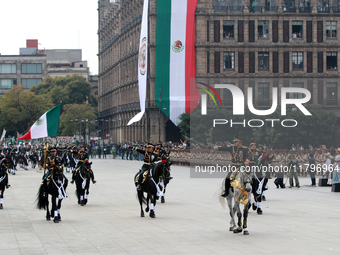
pixel 46 125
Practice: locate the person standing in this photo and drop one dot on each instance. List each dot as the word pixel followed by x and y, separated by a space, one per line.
pixel 311 168
pixel 293 166
pixel 336 168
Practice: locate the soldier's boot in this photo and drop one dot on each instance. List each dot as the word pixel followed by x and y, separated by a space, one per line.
pixel 139 181
pixel 297 183
pixel 225 193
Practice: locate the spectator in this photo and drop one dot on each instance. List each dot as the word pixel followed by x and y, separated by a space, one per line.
pixel 311 168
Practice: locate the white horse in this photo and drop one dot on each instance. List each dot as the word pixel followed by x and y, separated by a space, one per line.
pixel 238 195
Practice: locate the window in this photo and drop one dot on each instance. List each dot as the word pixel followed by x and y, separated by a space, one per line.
pixel 263 94
pixel 270 6
pixel 7 83
pixel 331 29
pixel 297 60
pixel 229 60
pixel 289 5
pixel 227 97
pixel 31 68
pixel 297 29
pixel 297 85
pixel 304 6
pixel 332 60
pixel 332 93
pixel 263 60
pixel 236 6
pixel 8 68
pixel 220 6
pixel 254 6
pixel 323 5
pixel 30 82
pixel 228 29
pixel 263 29
pixel 336 6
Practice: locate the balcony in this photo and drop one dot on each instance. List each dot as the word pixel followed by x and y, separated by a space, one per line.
pixel 336 9
pixel 323 9
pixel 289 9
pixel 255 9
pixel 305 9
pixel 236 9
pixel 270 8
pixel 220 9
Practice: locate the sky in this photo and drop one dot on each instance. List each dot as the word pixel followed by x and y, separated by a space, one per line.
pixel 62 24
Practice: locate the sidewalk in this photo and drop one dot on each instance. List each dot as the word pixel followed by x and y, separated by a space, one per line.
pixel 294 221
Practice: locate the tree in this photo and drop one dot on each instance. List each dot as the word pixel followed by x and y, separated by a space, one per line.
pixel 66 90
pixel 77 112
pixel 19 109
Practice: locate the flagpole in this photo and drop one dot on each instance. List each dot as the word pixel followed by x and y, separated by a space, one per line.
pixel 45 155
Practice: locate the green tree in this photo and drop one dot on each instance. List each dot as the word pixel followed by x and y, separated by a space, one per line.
pixel 19 109
pixel 66 90
pixel 77 112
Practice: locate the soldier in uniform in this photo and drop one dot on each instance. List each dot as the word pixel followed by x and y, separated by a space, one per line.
pixel 50 162
pixel 239 154
pixel 159 150
pixel 258 182
pixel 149 158
pixel 293 165
pixel 82 156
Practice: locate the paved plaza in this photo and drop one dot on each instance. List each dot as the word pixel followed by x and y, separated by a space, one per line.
pixel 295 221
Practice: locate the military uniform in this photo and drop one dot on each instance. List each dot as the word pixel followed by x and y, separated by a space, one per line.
pixel 149 159
pixel 82 156
pixel 258 179
pixel 293 166
pixel 238 157
pixel 50 163
pixel 159 151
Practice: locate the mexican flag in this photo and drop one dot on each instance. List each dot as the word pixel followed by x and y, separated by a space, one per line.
pixel 175 87
pixel 46 125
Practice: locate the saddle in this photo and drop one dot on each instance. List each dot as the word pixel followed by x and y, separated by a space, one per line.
pixel 145 175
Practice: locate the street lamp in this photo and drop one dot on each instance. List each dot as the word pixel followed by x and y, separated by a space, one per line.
pixel 75 123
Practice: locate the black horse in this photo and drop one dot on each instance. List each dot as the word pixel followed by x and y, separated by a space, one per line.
pixel 153 180
pixel 4 164
pixel 33 158
pixel 166 176
pixel 82 180
pixel 55 185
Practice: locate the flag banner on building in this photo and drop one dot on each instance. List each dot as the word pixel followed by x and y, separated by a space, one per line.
pixel 47 125
pixel 142 63
pixel 175 58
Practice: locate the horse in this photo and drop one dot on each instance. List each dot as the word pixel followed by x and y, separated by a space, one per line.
pixel 25 160
pixel 54 185
pixel 240 190
pixel 166 176
pixel 258 186
pixel 82 180
pixel 34 159
pixel 40 159
pixel 4 164
pixel 152 185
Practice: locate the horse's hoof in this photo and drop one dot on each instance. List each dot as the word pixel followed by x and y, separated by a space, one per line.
pixel 152 214
pixel 231 229
pixel 56 220
pixel 48 218
pixel 162 200
pixel 85 201
pixel 142 214
pixel 245 232
pixel 236 231
pixel 147 209
pixel 1 207
pixel 59 218
pixel 78 202
pixel 82 204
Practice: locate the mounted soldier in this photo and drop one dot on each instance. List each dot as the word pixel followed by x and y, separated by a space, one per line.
pixel 82 156
pixel 149 158
pixel 239 154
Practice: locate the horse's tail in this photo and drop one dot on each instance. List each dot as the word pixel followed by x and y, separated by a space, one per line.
pixel 42 197
pixel 220 198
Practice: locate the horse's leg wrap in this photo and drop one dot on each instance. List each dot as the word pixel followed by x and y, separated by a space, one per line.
pixel 244 223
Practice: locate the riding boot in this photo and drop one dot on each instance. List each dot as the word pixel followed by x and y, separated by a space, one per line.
pixel 226 188
pixel 140 180
pixel 92 178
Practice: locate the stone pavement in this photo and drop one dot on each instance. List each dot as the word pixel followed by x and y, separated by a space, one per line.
pixel 295 221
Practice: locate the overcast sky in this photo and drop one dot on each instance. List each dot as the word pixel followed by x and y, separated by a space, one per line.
pixel 62 24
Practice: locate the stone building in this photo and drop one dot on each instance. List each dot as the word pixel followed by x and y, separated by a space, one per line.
pixel 250 43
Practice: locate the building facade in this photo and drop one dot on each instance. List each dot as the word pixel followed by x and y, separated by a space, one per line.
pixel 32 66
pixel 260 44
